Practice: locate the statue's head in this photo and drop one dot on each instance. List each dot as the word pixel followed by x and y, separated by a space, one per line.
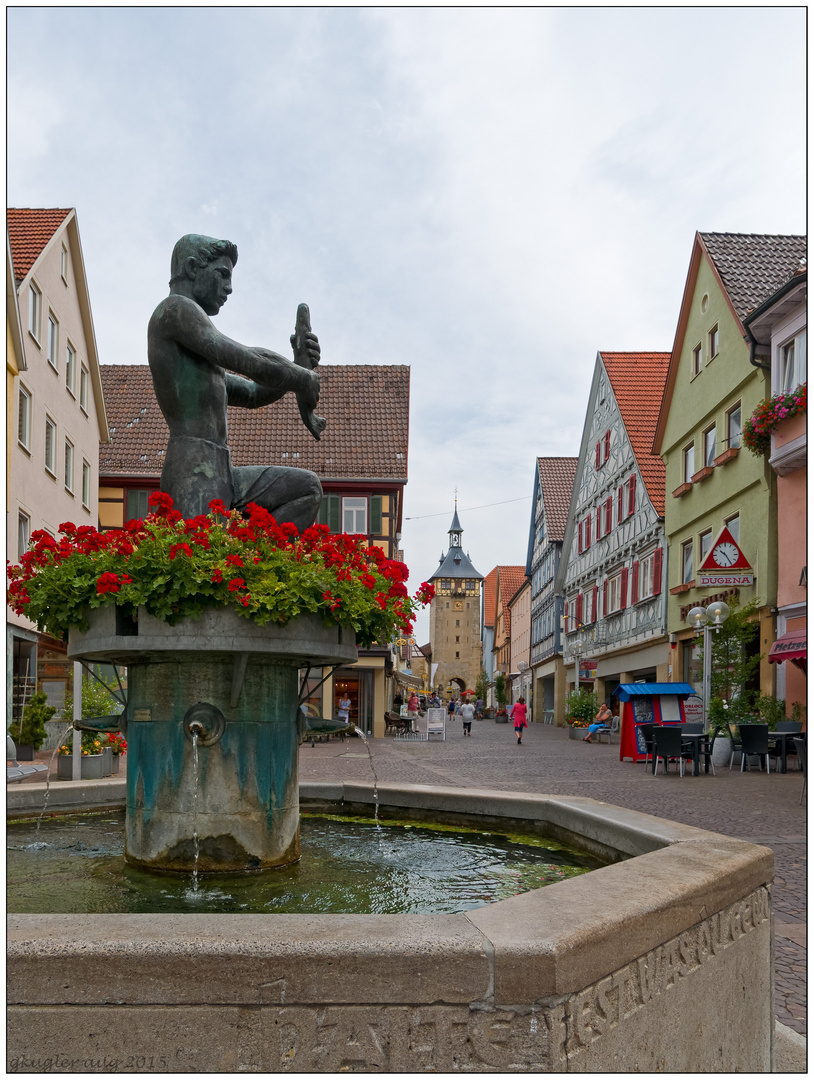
pixel 201 268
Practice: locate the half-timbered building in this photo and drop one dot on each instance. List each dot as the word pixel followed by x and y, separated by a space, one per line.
pixel 553 484
pixel 611 575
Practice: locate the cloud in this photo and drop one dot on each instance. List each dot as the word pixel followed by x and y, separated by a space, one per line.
pixel 490 195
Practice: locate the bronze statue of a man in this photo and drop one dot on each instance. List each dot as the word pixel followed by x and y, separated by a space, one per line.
pixel 197 372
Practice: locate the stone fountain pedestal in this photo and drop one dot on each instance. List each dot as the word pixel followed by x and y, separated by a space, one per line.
pixel 228 799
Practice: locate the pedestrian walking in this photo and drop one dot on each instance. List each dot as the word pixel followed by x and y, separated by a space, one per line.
pixel 343 712
pixel 479 708
pixel 451 708
pixel 518 715
pixel 467 716
pixel 413 705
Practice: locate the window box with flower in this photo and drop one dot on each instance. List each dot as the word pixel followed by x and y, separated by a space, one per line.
pixel 769 415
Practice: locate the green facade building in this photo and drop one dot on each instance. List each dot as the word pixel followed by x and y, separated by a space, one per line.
pixel 714 383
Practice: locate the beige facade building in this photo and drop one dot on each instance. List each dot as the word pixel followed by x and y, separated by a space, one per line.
pixel 455 618
pixel 520 644
pixel 57 416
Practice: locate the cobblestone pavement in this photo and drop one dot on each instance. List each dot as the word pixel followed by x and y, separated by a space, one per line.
pixel 753 806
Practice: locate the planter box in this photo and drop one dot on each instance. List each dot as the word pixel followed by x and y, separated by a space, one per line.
pixel 116 762
pixel 107 761
pixel 25 752
pixel 92 767
pixel 577 732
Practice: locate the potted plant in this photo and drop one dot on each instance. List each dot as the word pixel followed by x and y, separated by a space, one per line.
pixel 92 758
pixel 581 707
pixel 502 699
pixel 175 568
pixel 30 733
pixel 118 746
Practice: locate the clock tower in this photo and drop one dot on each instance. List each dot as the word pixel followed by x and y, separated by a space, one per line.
pixel 455 617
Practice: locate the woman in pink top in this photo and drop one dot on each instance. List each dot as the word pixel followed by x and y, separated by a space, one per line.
pixel 518 714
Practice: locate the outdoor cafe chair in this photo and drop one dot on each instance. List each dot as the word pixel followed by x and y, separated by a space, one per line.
pixel 800 745
pixel 667 744
pixel 647 735
pixel 735 742
pixel 793 727
pixel 693 729
pixel 755 743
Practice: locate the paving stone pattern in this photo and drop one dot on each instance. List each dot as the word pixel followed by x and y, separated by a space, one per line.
pixel 753 806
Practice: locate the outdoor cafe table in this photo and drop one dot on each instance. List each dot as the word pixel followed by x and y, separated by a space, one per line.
pixel 783 737
pixel 696 741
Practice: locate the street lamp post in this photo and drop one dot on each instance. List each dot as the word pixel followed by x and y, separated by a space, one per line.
pixel 707 620
pixel 577 648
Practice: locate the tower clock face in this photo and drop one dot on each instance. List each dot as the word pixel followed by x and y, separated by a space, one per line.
pixel 458 605
pixel 725 554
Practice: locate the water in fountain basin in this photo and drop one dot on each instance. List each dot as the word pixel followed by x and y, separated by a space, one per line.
pixel 422 867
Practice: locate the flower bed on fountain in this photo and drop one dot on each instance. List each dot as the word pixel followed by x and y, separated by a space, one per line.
pixel 177 567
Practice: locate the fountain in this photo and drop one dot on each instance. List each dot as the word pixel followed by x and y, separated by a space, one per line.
pixel 234 686
pixel 659 961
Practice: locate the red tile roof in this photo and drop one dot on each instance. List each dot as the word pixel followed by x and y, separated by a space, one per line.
pixel 638 380
pixel 29 231
pixel 489 594
pixel 557 476
pixel 367 407
pixel 511 578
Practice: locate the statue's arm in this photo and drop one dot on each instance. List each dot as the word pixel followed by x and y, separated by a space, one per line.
pixel 183 321
pixel 249 395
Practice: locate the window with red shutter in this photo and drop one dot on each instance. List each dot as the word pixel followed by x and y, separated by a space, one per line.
pixel 631 495
pixel 634 587
pixel 608 515
pixel 599 522
pixel 605 597
pixel 579 539
pixel 657 572
pixel 620 512
pixel 598 454
pixel 579 609
pixel 594 598
pixel 623 591
pixel 607 445
pixel 588 531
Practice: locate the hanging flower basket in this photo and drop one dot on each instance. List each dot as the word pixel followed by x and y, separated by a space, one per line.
pixel 769 415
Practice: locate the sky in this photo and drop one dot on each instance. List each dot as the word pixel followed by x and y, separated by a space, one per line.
pixel 488 195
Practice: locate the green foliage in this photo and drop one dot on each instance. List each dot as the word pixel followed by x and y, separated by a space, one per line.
pixel 97 700
pixel 501 694
pixel 30 730
pixel 482 686
pixel 581 706
pixel 734 662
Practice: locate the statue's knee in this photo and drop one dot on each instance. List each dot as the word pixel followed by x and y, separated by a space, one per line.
pixel 315 489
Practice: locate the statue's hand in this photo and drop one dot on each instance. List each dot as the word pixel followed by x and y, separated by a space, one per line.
pixel 306 349
pixel 310 396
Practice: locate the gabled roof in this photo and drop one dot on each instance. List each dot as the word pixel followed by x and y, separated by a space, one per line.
pixel 510 578
pixel 753 266
pixel 366 406
pixel 489 594
pixel 749 267
pixel 29 231
pixel 637 379
pixel 557 475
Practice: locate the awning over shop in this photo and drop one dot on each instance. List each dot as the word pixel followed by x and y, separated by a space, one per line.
pixel 626 691
pixel 791 646
pixel 411 682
